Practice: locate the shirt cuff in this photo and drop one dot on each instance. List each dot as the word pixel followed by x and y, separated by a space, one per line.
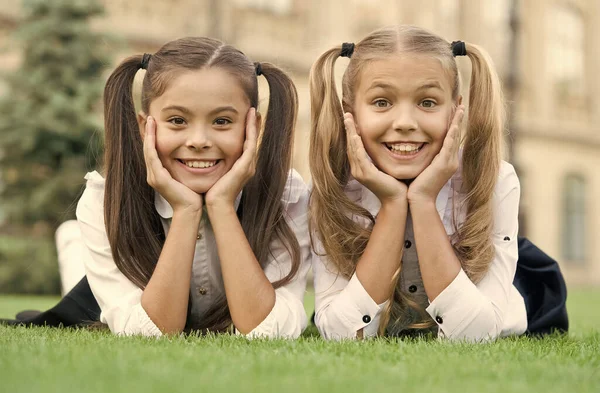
pixel 138 323
pixel 356 310
pixel 287 318
pixel 455 306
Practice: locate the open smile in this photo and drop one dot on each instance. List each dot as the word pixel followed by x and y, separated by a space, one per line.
pixel 199 166
pixel 404 150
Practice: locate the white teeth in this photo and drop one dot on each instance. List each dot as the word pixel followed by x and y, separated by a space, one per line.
pixel 405 147
pixel 199 164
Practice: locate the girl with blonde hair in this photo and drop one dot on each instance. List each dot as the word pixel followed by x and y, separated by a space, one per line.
pixel 413 211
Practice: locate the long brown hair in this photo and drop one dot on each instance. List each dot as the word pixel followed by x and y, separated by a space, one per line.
pixel 344 239
pixel 133 226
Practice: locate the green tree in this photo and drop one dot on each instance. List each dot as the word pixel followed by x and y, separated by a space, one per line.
pixel 50 117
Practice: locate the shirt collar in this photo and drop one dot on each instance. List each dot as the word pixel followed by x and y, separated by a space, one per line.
pixel 165 210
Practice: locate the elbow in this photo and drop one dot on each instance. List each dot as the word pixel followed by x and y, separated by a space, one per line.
pixel 484 326
pixel 331 328
pixel 287 319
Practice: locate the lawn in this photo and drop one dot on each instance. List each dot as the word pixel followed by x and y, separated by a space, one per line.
pixel 51 360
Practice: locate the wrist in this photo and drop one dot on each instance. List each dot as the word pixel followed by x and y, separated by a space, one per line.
pixel 219 207
pixel 421 202
pixel 191 214
pixel 398 204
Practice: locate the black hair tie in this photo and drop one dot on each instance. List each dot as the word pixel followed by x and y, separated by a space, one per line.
pixel 258 69
pixel 458 48
pixel 347 49
pixel 145 61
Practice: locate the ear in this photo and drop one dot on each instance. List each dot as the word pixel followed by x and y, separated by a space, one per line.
pixel 141 120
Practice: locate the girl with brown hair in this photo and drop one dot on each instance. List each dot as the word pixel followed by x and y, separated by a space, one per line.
pixel 198 223
pixel 413 213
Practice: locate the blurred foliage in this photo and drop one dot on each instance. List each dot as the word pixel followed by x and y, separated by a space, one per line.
pixel 49 118
pixel 28 265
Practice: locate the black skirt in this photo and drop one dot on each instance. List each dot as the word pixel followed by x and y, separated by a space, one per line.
pixel 538 278
pixel 542 285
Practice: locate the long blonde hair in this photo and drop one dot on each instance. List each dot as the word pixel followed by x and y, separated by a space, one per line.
pixel 333 214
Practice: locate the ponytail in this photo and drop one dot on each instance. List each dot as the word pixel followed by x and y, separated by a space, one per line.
pixel 332 212
pixel 262 207
pixel 482 154
pixel 133 228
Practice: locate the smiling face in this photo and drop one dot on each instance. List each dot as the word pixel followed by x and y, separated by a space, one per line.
pixel 403 107
pixel 200 120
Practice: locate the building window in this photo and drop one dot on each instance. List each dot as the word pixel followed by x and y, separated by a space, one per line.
pixel 275 6
pixel 574 220
pixel 566 55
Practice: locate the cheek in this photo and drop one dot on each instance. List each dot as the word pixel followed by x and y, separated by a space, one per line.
pixel 232 144
pixel 165 144
pixel 371 127
pixel 436 128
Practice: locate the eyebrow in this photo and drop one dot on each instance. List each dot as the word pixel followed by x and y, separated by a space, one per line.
pixel 380 85
pixel 430 85
pixel 177 108
pixel 223 109
pixel 189 112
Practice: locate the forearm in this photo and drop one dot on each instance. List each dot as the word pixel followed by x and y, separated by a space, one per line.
pixel 250 295
pixel 383 253
pixel 165 298
pixel 438 263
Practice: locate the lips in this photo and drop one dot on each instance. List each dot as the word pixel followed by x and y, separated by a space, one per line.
pixel 407 148
pixel 199 163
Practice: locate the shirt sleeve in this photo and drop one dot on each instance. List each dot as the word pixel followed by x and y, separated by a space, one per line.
pixel 288 319
pixel 477 312
pixel 119 299
pixel 343 306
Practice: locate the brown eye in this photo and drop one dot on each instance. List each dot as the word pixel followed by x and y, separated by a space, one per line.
pixel 221 121
pixel 177 121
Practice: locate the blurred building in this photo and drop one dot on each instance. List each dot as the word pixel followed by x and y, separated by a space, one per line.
pixel 544 49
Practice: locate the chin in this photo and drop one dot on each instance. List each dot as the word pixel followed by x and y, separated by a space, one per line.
pixel 199 187
pixel 403 174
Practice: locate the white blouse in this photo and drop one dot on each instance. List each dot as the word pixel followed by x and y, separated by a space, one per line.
pixel 464 310
pixel 120 300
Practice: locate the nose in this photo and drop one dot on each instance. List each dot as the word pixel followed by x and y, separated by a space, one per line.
pixel 404 119
pixel 198 138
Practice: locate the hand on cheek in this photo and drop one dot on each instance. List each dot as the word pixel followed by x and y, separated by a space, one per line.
pixel 384 186
pixel 178 195
pixel 428 184
pixel 226 189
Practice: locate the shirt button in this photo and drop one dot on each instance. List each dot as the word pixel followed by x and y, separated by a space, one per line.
pixel 366 318
pixel 407 244
pixel 412 289
pixel 439 320
pixel 199 236
pixel 202 291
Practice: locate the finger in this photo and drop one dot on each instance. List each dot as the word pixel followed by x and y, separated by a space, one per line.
pixel 251 131
pixel 151 155
pixel 452 139
pixel 350 141
pixel 360 155
pixel 247 161
pixel 149 140
pixel 455 130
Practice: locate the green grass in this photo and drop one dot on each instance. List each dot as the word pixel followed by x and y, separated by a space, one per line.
pixel 52 360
